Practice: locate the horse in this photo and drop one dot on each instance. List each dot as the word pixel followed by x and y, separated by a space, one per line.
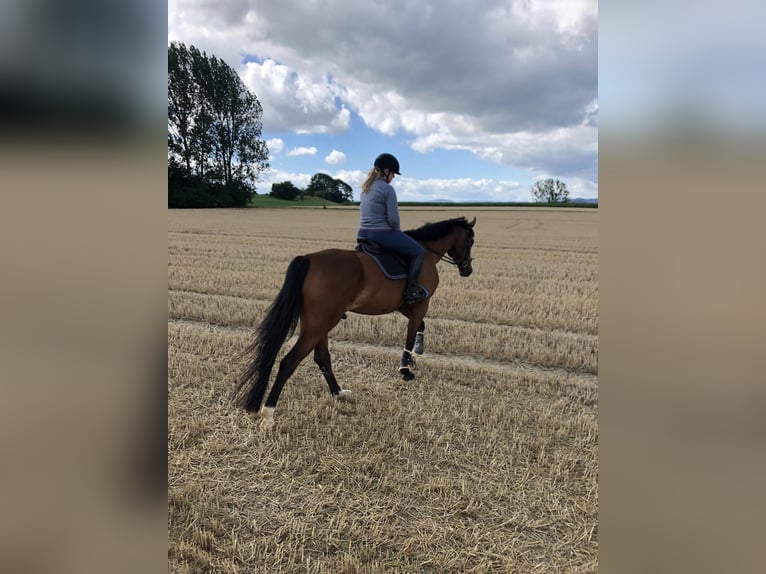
pixel 320 287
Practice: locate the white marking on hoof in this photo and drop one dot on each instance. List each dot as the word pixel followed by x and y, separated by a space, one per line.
pixel 267 417
pixel 343 395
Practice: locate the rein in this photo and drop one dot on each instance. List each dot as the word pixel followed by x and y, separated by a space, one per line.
pixel 443 256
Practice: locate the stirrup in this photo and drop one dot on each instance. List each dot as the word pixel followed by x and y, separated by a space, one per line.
pixel 415 295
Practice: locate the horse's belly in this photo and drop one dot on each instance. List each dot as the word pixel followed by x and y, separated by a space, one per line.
pixel 380 300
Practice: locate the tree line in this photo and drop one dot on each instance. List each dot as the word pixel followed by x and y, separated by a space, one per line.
pixel 215 150
pixel 321 185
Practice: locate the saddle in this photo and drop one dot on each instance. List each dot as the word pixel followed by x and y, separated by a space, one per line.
pixel 393 265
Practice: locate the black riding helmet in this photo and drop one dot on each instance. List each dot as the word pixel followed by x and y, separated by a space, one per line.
pixel 386 160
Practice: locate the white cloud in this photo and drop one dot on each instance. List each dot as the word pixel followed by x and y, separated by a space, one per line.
pixel 459 189
pixel 570 151
pixel 335 157
pixel 293 101
pixel 271 176
pixel 275 145
pixel 296 151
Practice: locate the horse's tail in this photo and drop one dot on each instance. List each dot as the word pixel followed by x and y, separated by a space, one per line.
pixel 279 324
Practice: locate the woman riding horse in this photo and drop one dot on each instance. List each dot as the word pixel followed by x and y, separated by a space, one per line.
pixel 379 221
pixel 320 287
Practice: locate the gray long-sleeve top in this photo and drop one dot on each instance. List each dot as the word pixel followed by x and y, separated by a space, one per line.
pixel 378 208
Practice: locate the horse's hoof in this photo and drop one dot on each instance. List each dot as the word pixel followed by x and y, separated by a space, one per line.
pixel 406 374
pixel 343 395
pixel 267 418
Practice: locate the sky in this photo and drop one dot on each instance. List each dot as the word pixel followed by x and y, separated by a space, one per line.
pixel 477 100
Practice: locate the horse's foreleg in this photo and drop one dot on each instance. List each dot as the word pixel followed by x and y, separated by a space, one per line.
pixel 419 343
pixel 287 367
pixel 419 346
pixel 322 359
pixel 415 325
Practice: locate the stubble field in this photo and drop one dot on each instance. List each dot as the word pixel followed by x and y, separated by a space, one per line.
pixel 486 462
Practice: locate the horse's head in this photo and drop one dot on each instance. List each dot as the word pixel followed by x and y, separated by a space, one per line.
pixel 460 252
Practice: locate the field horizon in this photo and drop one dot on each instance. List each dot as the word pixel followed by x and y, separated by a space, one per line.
pixel 265 200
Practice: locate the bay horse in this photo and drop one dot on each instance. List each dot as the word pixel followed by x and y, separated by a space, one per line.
pixel 320 287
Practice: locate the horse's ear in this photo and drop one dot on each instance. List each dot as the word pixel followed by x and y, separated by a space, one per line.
pixel 472 223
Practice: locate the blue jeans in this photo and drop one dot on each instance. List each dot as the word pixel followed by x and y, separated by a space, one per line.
pixel 395 241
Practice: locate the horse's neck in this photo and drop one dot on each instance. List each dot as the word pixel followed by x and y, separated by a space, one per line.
pixel 440 246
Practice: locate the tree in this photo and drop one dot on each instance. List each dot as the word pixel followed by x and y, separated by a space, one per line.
pixel 329 188
pixel 182 105
pixel 214 125
pixel 238 152
pixel 284 190
pixel 550 191
pixel 346 192
pixel 202 133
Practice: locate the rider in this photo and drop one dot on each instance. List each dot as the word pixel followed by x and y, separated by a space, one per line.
pixel 379 221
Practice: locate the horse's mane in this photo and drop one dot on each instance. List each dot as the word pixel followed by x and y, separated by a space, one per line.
pixel 435 231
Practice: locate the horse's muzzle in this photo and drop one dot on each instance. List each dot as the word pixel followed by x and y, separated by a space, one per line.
pixel 465 271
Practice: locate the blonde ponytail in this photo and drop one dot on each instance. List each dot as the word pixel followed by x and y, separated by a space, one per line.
pixel 372 175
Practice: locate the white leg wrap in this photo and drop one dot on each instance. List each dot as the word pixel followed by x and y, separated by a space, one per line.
pixel 418 347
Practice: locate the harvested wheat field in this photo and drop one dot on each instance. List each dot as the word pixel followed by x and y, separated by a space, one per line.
pixel 486 462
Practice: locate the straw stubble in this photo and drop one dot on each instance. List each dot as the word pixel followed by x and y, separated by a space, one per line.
pixel 486 462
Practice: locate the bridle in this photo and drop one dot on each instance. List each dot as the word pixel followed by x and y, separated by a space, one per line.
pixel 462 265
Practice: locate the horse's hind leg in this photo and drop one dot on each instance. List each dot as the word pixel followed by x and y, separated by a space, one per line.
pixel 287 367
pixel 322 359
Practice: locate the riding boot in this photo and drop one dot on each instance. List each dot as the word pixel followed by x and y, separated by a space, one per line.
pixel 414 292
